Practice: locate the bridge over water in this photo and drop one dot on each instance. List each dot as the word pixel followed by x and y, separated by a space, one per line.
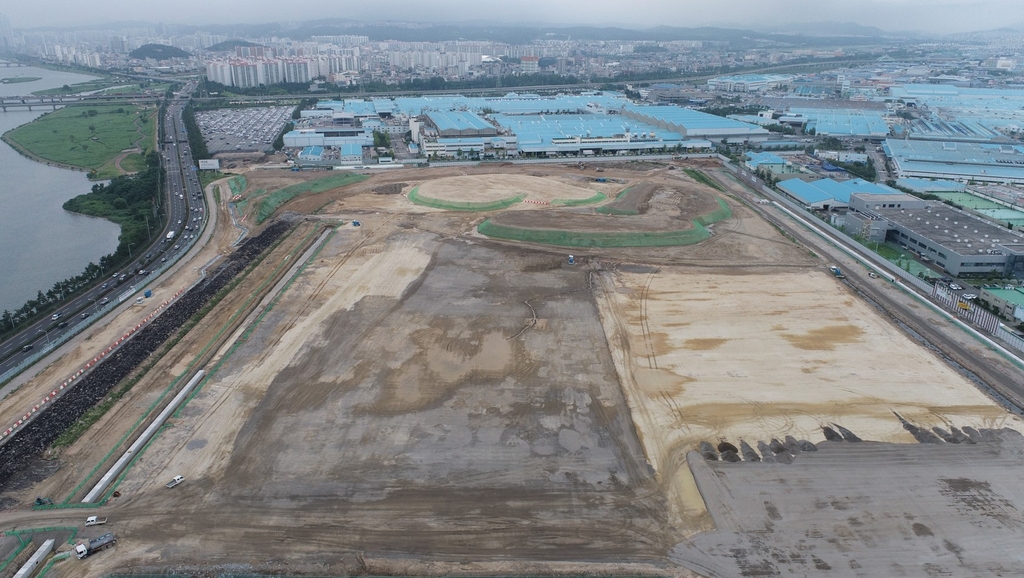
pixel 54 102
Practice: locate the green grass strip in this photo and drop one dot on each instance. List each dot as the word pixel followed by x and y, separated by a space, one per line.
pixel 274 200
pixel 722 213
pixel 415 197
pixel 596 238
pixel 702 178
pixel 577 202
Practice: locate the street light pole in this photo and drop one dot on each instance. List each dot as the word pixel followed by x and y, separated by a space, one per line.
pixel 47 334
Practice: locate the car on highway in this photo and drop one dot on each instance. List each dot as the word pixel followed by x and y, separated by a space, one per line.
pixel 27 347
pixel 55 316
pixel 62 324
pixel 104 301
pixel 84 315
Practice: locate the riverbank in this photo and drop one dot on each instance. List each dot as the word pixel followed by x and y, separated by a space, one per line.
pixel 88 138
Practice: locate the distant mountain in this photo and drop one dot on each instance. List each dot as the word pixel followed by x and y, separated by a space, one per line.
pixel 229 45
pixel 157 52
pixel 827 29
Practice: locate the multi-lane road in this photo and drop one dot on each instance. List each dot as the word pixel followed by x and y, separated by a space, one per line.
pixel 185 210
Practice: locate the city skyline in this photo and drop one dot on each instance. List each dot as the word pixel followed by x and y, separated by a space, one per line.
pixel 947 16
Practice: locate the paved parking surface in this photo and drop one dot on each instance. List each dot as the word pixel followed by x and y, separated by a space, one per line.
pixel 243 129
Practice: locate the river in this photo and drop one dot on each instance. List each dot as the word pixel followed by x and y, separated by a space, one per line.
pixel 41 243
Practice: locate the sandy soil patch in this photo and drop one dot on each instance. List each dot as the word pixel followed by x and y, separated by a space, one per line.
pixel 754 357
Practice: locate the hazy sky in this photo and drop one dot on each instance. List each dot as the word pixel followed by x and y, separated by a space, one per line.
pixel 931 15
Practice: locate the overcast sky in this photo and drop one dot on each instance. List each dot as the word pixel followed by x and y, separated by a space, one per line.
pixel 925 15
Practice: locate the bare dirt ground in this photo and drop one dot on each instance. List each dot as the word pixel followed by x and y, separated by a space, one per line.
pixel 761 355
pixel 486 188
pixel 423 400
pixel 664 208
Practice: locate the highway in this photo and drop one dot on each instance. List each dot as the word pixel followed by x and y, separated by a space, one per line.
pixel 185 208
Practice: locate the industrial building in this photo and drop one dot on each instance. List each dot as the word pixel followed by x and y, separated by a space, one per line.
pixel 459 123
pixel 695 124
pixel 748 82
pixel 839 122
pixel 956 160
pixel 769 162
pixel 956 241
pixel 1008 301
pixel 829 194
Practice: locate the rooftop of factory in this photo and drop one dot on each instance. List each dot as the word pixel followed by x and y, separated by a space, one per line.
pixel 458 120
pixel 982 161
pixel 757 159
pixel 931 186
pixel 689 118
pixel 822 190
pixel 843 122
pixel 952 228
pixel 542 129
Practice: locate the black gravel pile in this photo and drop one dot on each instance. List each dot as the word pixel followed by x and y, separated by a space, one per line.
pixel 38 434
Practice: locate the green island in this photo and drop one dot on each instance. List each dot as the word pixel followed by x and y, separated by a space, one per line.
pixel 107 85
pixel 107 141
pixel 19 79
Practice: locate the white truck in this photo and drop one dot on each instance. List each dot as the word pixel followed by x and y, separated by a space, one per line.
pixel 175 481
pixel 170 236
pixel 95 521
pixel 85 549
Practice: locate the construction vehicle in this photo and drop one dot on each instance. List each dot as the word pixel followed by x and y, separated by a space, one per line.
pixel 572 260
pixel 837 272
pixel 43 501
pixel 95 521
pixel 175 481
pixel 85 549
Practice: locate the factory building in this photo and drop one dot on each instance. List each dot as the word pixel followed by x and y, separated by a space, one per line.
pixel 459 123
pixel 829 194
pixel 748 82
pixel 992 163
pixel 957 242
pixel 695 124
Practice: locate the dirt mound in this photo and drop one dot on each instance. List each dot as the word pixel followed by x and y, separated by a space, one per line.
pixel 389 189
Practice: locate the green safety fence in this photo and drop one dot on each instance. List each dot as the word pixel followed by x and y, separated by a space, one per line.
pixel 596 239
pixel 415 197
pixel 577 202
pixel 23 542
pixel 58 558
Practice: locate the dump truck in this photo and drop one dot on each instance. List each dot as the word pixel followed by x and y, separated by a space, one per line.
pixel 85 549
pixel 95 521
pixel 837 272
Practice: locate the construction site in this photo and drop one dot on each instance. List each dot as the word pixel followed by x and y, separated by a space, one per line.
pixel 528 370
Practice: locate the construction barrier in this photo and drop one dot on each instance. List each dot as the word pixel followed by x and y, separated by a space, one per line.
pixel 89 365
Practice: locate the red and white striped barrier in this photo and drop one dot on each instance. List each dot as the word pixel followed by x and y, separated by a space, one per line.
pixel 88 365
pixel 532 201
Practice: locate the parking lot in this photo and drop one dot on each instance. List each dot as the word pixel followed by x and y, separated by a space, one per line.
pixel 243 129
